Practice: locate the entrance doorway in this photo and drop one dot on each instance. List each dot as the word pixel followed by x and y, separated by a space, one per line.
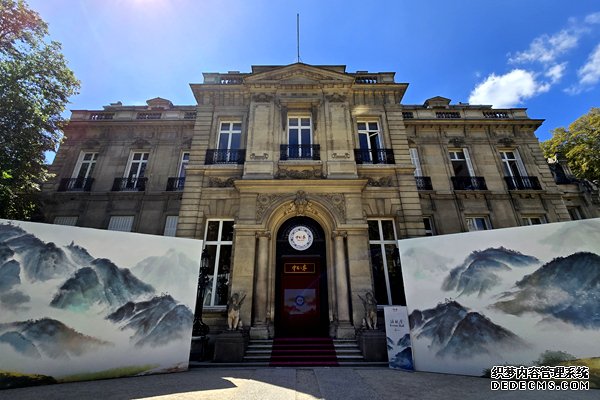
pixel 301 282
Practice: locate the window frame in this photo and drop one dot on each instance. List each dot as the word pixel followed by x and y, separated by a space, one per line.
pixel 484 218
pixel 229 132
pixel 170 227
pixel 416 162
pixel 506 167
pixel 91 164
pixel 382 242
pixel 431 231
pixel 577 210
pixel 141 161
pixel 215 268
pixel 526 220
pixel 466 158
pixel 183 164
pixel 368 133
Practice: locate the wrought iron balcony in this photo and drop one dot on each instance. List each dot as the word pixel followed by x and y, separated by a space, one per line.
pixel 129 184
pixel 218 156
pixel 468 183
pixel 523 183
pixel 423 183
pixel 75 184
pixel 175 184
pixel 300 152
pixel 374 156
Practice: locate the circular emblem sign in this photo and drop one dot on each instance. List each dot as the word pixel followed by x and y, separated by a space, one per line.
pixel 300 238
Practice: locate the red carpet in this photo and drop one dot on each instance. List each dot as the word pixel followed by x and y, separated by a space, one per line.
pixel 303 352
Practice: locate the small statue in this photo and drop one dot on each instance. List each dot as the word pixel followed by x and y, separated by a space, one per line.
pixel 233 311
pixel 370 310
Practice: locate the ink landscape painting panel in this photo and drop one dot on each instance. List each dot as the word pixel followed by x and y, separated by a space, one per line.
pixel 516 296
pixel 79 303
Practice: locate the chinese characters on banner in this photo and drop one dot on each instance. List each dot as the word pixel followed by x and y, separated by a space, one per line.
pixel 397 332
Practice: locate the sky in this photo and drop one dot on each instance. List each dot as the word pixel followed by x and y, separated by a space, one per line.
pixel 543 55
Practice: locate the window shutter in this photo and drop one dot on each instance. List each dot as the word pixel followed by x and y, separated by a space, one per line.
pixel 468 159
pixel 520 165
pixel 71 221
pixel 120 223
pixel 171 225
pixel 414 158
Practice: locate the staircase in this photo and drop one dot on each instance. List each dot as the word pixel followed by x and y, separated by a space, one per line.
pixel 305 352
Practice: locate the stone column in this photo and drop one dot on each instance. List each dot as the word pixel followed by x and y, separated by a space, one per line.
pixel 344 329
pixel 259 327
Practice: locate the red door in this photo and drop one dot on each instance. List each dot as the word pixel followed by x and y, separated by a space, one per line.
pixel 300 297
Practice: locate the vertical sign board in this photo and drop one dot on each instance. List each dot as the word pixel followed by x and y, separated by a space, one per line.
pixel 397 332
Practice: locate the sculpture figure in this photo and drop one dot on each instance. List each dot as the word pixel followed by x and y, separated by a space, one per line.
pixel 370 310
pixel 233 311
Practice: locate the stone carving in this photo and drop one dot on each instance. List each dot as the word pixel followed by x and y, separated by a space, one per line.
pixel 506 141
pixel 457 142
pixel 262 98
pixel 335 98
pixel 218 182
pixel 283 173
pixel 264 156
pixel 337 156
pixel 233 311
pixel 337 203
pixel 384 181
pixel 370 305
pixel 300 205
pixel 263 202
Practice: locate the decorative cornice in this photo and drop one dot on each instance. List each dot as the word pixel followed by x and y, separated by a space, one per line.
pixel 339 234
pixel 218 182
pixel 283 173
pixel 259 234
pixel 262 98
pixel 384 181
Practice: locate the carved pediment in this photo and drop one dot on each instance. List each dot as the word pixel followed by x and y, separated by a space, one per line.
pixel 299 74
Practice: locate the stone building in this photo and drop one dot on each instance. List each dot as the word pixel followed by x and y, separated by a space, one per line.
pixel 300 179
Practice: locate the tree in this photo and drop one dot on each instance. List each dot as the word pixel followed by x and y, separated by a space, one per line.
pixel 580 145
pixel 35 85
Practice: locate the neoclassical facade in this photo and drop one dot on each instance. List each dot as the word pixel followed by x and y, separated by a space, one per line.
pixel 300 179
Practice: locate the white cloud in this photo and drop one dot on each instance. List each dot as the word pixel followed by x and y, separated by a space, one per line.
pixel 556 72
pixel 589 74
pixel 508 90
pixel 546 48
pixel 593 18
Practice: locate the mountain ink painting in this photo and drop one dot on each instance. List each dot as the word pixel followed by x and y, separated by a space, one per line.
pixel 82 304
pixel 504 297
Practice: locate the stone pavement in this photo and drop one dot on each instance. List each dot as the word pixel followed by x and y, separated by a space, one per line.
pixel 287 384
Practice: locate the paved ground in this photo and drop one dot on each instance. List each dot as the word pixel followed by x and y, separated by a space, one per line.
pixel 288 384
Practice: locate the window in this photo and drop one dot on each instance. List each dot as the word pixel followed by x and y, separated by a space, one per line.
pixel 299 137
pixel 185 159
pixel 414 159
pixel 71 221
pixel 121 223
pixel 478 224
pixel 171 225
pixel 429 228
pixel 575 213
pixel 230 135
pixel 387 276
pixel 369 141
pixel 85 165
pixel 461 163
pixel 218 240
pixel 538 220
pixel 512 164
pixel 136 167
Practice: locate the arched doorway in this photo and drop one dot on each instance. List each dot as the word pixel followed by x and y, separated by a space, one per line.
pixel 301 304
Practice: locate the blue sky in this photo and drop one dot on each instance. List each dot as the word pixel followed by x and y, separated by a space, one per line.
pixel 542 55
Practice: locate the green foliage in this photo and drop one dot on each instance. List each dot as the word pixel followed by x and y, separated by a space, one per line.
pixel 11 380
pixel 553 358
pixel 35 85
pixel 580 144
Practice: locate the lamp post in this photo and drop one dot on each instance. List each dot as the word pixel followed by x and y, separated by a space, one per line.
pixel 200 328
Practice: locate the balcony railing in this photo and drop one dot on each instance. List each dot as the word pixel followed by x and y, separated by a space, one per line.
pixel 75 184
pixel 300 152
pixel 523 183
pixel 129 184
pixel 376 156
pixel 468 183
pixel 218 156
pixel 423 183
pixel 175 184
